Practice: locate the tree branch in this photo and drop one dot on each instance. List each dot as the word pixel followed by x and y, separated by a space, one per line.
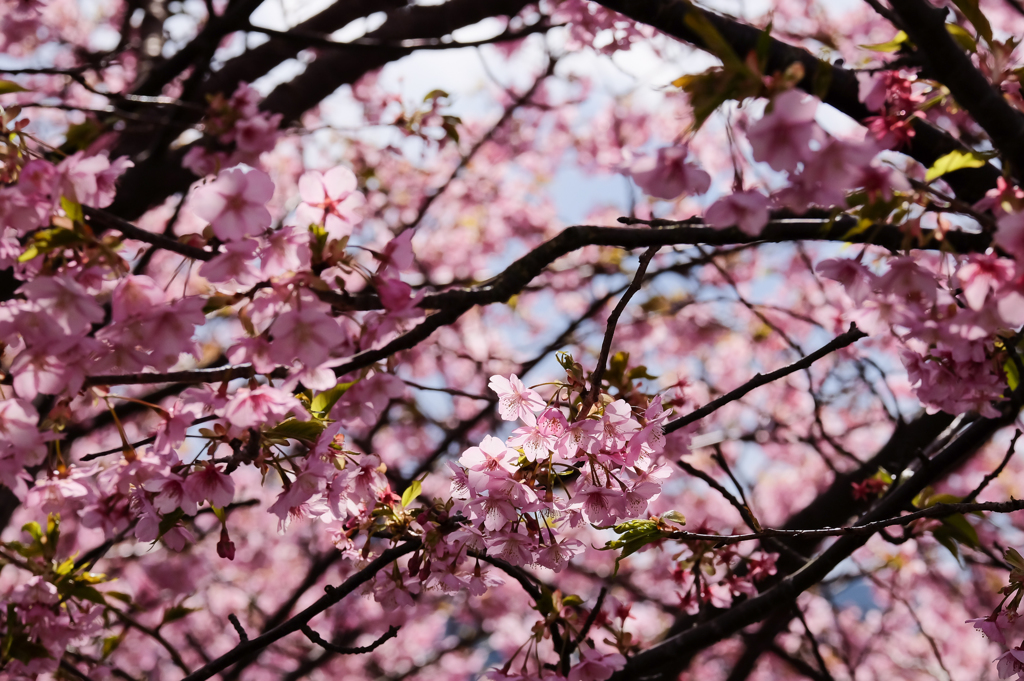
pixel 926 26
pixel 295 623
pixel 928 144
pixel 671 655
pixel 936 511
pixel 839 342
pixel 342 650
pixel 110 221
pixel 609 334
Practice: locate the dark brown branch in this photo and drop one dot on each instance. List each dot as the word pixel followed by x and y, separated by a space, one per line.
pixel 937 511
pixel 928 144
pixel 675 233
pixel 839 342
pixel 520 273
pixel 342 650
pixel 671 655
pixel 609 334
pixel 110 221
pixel 926 26
pixel 334 595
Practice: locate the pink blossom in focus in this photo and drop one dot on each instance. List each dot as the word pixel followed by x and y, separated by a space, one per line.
pixel 514 398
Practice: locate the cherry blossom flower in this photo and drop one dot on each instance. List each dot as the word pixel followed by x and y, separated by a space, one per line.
pixel 782 137
pixel 595 666
pixel 492 455
pixel 66 300
pixel 307 334
pixel 236 264
pixel 89 180
pixel 262 405
pixel 514 399
pixel 235 203
pixel 135 295
pixel 1011 664
pixel 330 199
pixel 209 483
pixel 747 210
pixel 668 175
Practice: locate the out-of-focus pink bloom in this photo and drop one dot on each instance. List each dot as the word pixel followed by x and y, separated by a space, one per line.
pixel 307 334
pixel 747 210
pixel 66 300
pixel 135 295
pixel 989 626
pixel 235 203
pixel 1011 664
pixel 668 175
pixel 90 179
pixel 237 263
pixel 595 666
pixel 1010 234
pixel 857 279
pixel 782 138
pixel 287 250
pixel 398 253
pixel 262 405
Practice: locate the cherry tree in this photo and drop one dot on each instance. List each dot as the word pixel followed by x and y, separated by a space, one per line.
pixel 630 339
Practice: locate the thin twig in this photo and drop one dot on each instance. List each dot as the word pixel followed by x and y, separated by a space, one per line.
pixel 851 336
pixel 239 629
pixel 613 320
pixel 814 643
pixel 341 650
pixel 994 474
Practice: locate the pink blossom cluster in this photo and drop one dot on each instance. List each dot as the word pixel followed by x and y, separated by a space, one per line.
pixel 948 328
pixel 236 132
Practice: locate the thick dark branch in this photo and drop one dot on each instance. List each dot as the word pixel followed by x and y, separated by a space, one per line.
pixel 671 655
pixel 334 595
pixel 837 343
pixel 680 233
pixel 454 304
pixel 196 376
pixel 928 144
pixel 926 26
pixel 200 47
